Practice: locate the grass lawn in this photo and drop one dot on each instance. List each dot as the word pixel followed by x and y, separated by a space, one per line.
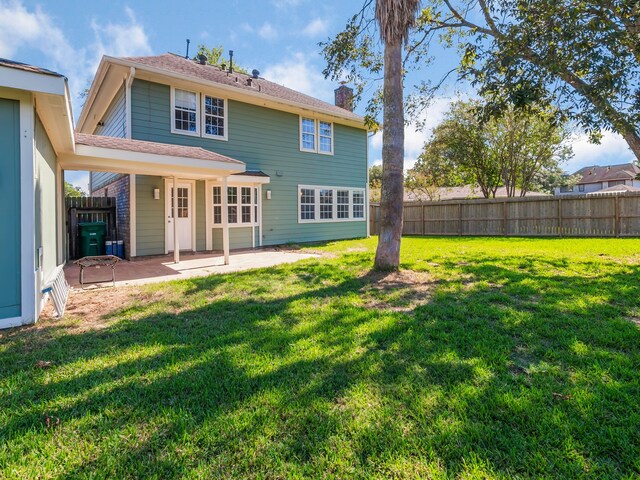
pixel 484 358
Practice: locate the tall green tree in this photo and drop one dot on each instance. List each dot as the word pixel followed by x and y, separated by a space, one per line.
pixel 394 18
pixel 518 150
pixel 73 191
pixel 215 56
pixel 582 56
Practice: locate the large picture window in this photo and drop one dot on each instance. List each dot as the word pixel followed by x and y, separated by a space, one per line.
pixel 316 136
pixel 330 204
pixel 242 205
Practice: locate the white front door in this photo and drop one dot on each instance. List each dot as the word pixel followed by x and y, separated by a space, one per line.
pixel 185 215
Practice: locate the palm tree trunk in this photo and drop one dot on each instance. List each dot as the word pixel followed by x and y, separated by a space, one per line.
pixel 391 202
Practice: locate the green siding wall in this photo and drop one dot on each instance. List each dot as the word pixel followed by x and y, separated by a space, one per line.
pixel 150 228
pixel 114 121
pixel 10 200
pixel 239 237
pixel 46 226
pixel 267 140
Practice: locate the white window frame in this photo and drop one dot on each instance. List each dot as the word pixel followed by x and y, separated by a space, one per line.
pixel 203 109
pixel 324 136
pixel 255 200
pixel 173 113
pixel 317 219
pixel 316 136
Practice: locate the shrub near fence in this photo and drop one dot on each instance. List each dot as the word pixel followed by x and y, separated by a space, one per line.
pixel 603 215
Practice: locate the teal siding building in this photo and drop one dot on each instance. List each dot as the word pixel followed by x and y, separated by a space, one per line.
pixel 305 161
pixel 35 128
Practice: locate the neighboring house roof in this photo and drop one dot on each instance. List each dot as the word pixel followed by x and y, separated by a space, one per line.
pixel 596 174
pixel 155 148
pixel 616 189
pixel 178 64
pixel 27 68
pixel 464 192
pixel 252 173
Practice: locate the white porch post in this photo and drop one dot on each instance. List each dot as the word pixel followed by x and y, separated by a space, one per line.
pixel 176 246
pixel 260 215
pixel 225 220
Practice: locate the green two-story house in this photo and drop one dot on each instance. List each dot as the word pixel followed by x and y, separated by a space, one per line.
pixel 292 168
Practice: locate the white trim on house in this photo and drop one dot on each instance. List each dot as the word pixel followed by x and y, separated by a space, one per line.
pixel 125 161
pixel 334 204
pixel 127 100
pixel 133 245
pixel 208 211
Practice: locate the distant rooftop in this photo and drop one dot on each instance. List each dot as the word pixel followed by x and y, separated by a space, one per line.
pixel 596 173
pixel 465 192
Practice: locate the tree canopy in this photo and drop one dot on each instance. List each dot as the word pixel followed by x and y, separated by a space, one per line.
pixel 521 151
pixel 582 56
pixel 73 191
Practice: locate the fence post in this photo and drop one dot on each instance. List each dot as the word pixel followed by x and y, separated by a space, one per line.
pixel 616 226
pixel 459 219
pixel 422 218
pixel 505 219
pixel 560 217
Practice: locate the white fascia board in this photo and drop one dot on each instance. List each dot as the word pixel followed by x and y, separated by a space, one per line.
pixel 124 161
pixel 299 107
pixel 32 81
pixel 93 91
pixel 244 179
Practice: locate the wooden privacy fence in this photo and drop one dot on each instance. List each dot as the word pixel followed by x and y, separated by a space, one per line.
pixel 89 209
pixel 577 216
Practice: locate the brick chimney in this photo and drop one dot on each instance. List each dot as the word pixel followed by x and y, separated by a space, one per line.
pixel 344 97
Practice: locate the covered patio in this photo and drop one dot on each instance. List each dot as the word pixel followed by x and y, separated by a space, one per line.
pixel 164 268
pixel 177 165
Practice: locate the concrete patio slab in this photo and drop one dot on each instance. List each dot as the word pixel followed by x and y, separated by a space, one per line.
pixel 162 269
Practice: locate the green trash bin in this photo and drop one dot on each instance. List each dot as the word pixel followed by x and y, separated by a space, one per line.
pixel 92 238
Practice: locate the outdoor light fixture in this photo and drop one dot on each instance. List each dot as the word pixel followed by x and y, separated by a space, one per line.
pixel 268 194
pixel 156 194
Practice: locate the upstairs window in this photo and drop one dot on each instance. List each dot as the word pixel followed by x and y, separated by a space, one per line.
pixel 185 112
pixel 316 136
pixel 308 140
pixel 325 130
pixel 214 117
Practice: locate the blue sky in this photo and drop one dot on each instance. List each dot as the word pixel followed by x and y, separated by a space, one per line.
pixel 278 37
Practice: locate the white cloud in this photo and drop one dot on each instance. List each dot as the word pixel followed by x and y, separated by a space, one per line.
pixel 316 27
pixel 287 3
pixel 297 73
pixel 267 31
pixel 611 150
pixel 22 29
pixel 414 139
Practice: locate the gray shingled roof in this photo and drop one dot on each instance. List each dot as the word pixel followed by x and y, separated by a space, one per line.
pixel 154 148
pixel 180 65
pixel 4 62
pixel 596 174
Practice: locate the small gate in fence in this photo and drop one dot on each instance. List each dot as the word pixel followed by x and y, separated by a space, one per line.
pixel 88 209
pixel 571 215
